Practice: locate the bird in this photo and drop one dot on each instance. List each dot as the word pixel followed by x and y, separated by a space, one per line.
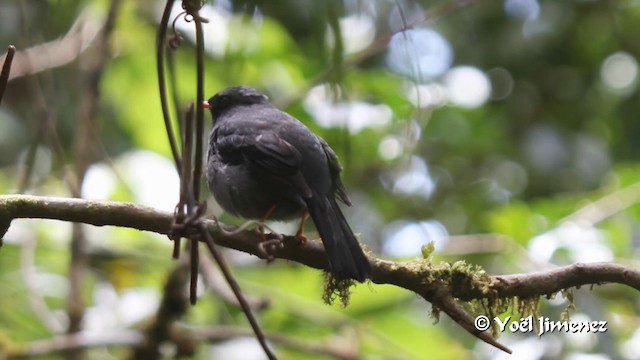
pixel 263 163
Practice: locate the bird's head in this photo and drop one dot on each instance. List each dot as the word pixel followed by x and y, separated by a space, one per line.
pixel 234 96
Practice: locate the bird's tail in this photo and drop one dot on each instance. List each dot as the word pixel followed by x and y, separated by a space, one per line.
pixel 346 258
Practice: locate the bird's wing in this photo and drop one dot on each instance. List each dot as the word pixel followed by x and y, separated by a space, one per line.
pixel 267 153
pixel 335 168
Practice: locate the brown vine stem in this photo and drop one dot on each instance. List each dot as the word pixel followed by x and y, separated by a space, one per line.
pixel 237 291
pixel 6 69
pixel 197 169
pixel 161 44
pixel 190 186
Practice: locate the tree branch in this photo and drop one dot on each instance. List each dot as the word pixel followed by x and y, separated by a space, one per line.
pixel 136 338
pixel 58 52
pixel 444 285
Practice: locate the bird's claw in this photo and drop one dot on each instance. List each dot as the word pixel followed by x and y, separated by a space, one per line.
pixel 268 247
pixel 303 239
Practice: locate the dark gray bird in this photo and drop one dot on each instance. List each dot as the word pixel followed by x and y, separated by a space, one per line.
pixel 264 163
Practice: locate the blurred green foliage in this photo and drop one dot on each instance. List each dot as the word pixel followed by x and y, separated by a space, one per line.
pixel 547 163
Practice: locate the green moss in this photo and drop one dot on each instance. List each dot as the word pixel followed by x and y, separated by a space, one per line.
pixel 336 289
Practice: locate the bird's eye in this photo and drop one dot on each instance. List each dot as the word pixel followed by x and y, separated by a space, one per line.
pixel 223 101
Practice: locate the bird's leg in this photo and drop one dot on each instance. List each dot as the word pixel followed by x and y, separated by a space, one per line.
pixel 260 227
pixel 300 233
pixel 267 246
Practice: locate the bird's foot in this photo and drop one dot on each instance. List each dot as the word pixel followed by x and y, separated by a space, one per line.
pixel 303 239
pixel 270 245
pixel 260 230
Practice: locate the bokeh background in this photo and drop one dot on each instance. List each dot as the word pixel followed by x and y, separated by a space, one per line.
pixel 504 131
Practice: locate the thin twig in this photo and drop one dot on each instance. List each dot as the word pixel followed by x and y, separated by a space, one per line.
pixel 186 193
pixel 185 180
pixel 173 82
pixel 444 301
pixel 186 197
pixel 160 51
pixel 244 305
pixel 197 170
pixel 6 69
pixel 215 282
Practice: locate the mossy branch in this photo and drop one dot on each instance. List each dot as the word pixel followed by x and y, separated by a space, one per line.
pixel 444 285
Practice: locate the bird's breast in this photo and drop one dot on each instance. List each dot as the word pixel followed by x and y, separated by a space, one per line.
pixel 243 192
